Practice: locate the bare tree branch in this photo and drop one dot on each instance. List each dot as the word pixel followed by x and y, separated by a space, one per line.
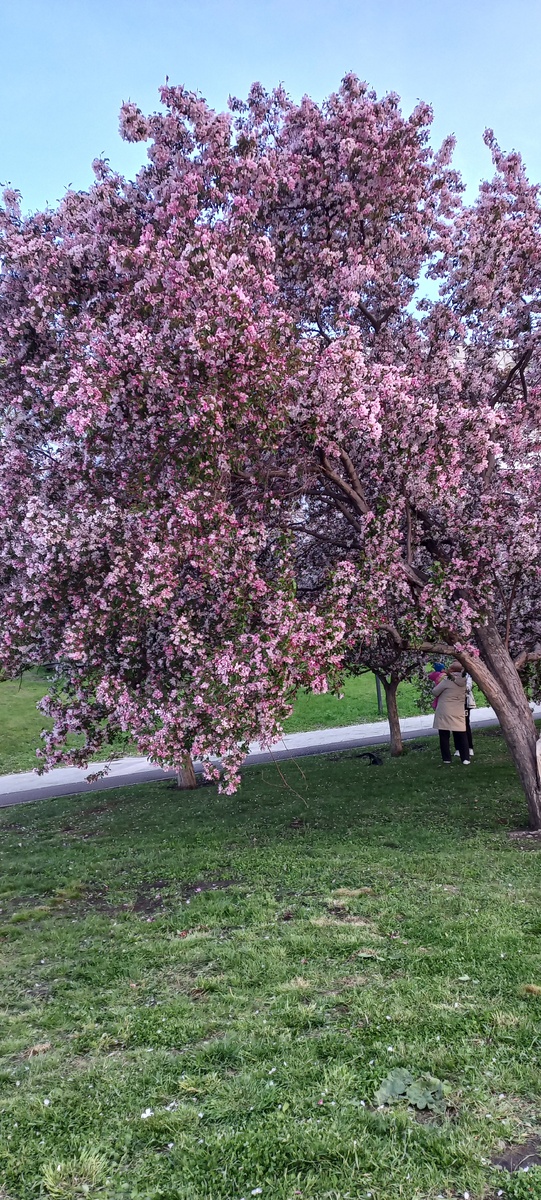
pixel 357 500
pixel 518 368
pixel 346 512
pixel 350 468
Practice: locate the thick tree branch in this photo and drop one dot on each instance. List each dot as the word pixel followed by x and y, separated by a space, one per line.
pixel 487 477
pixel 350 468
pixel 526 657
pixel 358 501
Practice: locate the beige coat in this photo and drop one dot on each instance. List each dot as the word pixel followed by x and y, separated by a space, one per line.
pixel 450 713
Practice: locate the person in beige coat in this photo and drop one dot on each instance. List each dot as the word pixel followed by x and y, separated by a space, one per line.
pixel 450 714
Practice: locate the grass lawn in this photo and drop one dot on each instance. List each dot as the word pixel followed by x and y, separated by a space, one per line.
pixel 200 994
pixel 21 723
pixel 359 703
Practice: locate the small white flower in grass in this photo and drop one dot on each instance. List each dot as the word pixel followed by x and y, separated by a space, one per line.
pixel 17 1083
pixel 149 1112
pixel 46 1103
pixel 272 1070
pixel 256 1191
pixel 200 1114
pixel 390 1049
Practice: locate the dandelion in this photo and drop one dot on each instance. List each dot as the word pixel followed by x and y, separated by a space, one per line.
pixel 46 1103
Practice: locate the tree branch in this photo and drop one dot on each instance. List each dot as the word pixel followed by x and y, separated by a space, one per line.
pixel 526 657
pixel 518 368
pixel 408 535
pixel 350 468
pixel 421 648
pixel 357 500
pixel 346 512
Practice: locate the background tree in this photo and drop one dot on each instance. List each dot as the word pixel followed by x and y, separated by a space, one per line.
pixel 392 666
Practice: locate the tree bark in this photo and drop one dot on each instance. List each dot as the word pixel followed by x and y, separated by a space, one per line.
pixel 495 673
pixel 186 777
pixel 391 686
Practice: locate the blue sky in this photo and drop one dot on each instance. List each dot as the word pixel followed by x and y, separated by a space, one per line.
pixel 67 65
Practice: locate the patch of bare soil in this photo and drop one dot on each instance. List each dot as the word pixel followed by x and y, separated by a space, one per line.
pixel 514 1157
pixel 526 839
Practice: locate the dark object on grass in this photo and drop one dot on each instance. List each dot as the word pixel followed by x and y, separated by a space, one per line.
pixel 374 759
pixel 517 1157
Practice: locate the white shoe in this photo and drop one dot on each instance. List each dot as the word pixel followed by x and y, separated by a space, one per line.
pixel 471 753
pixel 457 753
pixel 465 762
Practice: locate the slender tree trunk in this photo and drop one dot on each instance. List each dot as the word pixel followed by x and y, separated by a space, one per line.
pixel 186 777
pixel 495 673
pixel 391 686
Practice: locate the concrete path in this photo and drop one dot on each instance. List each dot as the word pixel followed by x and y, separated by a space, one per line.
pixel 26 787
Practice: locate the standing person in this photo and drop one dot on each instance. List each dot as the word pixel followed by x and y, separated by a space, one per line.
pixel 435 677
pixel 470 703
pixel 450 715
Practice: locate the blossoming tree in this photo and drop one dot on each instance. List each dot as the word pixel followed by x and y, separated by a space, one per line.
pixel 235 437
pixel 416 432
pixel 143 354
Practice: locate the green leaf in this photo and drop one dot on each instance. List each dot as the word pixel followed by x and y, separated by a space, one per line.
pixel 426 1092
pixel 394 1086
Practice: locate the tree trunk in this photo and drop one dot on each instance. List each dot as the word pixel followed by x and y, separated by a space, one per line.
pixel 186 777
pixel 391 686
pixel 495 673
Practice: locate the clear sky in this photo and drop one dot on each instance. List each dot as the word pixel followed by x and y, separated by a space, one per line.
pixel 67 65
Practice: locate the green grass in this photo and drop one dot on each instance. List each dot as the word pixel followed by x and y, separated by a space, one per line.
pixel 257 1021
pixel 358 704
pixel 21 723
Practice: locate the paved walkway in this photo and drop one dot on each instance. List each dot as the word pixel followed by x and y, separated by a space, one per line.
pixel 26 787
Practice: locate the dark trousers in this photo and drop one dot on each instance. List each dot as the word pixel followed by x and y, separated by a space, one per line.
pixel 468 730
pixel 461 744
